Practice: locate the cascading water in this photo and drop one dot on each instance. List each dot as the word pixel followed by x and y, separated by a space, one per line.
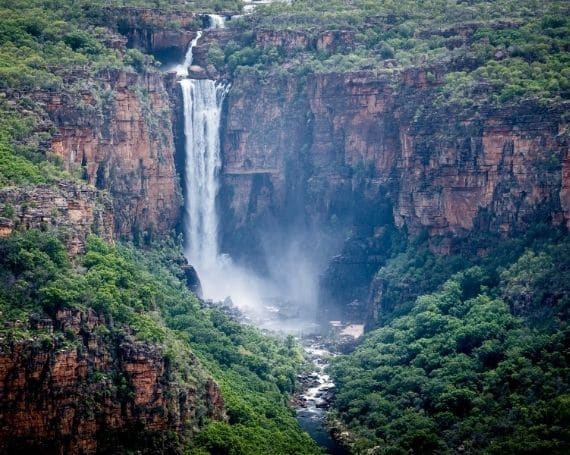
pixel 182 69
pixel 216 21
pixel 202 107
pixel 203 100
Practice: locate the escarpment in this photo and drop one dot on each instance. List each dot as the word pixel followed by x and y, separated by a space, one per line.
pixel 340 155
pixel 443 171
pixel 119 136
pixel 359 154
pixel 163 33
pixel 375 153
pixel 76 385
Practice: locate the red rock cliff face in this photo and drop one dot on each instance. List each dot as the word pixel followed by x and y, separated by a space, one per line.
pixel 264 149
pixel 93 394
pixel 120 138
pixel 443 171
pixel 372 152
pixel 73 207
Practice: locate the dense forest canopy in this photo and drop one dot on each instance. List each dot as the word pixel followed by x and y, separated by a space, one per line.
pixel 480 365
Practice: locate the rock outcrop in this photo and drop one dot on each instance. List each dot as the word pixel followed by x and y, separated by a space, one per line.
pixel 74 208
pixel 160 32
pixel 119 136
pixel 74 386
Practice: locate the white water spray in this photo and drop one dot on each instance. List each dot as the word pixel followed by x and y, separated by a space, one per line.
pixel 202 108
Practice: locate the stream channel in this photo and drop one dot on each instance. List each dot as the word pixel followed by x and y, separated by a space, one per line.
pixel 320 342
pixel 316 392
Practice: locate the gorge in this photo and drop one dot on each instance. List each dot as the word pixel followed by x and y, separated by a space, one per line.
pixel 401 166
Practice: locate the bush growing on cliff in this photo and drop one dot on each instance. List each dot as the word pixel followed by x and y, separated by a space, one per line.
pixel 216 57
pixel 136 59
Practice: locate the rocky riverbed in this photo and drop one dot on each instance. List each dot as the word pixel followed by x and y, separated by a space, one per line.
pixel 316 392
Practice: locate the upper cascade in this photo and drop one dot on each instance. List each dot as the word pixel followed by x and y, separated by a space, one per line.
pixel 182 69
pixel 216 21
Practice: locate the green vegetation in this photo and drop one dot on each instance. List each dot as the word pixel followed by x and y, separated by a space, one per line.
pixel 530 61
pixel 39 48
pixel 481 364
pixel 414 270
pixel 40 51
pixel 141 293
pixel 471 352
pixel 183 5
pixel 495 52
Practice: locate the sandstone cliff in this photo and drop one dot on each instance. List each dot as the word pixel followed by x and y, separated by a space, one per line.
pixel 119 136
pixel 73 384
pixel 72 208
pixel 375 152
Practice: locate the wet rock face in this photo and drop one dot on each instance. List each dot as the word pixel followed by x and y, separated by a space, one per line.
pixel 192 279
pixel 121 141
pixel 93 394
pixel 265 167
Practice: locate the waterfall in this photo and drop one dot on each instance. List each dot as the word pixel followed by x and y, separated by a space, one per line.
pixel 202 108
pixel 220 276
pixel 182 69
pixel 216 21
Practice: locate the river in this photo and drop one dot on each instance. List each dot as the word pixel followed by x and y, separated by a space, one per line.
pixel 317 388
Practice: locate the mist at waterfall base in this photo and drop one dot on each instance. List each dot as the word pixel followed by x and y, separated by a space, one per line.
pixel 283 299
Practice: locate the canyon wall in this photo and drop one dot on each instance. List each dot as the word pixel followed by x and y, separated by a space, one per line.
pixel 373 153
pixel 75 385
pixel 264 161
pixel 356 156
pixel 118 135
